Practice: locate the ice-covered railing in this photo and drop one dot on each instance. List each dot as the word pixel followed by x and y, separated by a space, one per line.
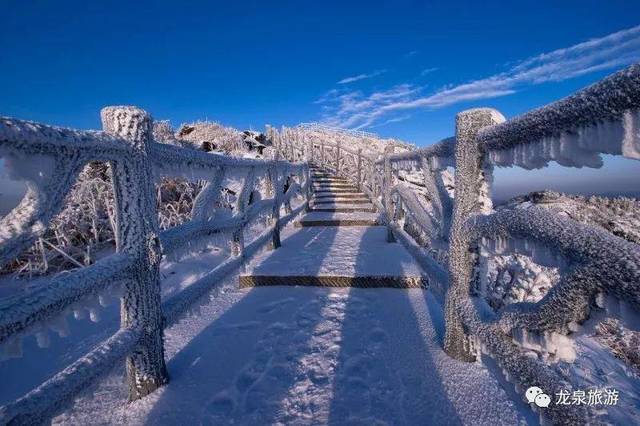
pixel 422 222
pixel 452 238
pixel 49 160
pixel 331 151
pixel 601 119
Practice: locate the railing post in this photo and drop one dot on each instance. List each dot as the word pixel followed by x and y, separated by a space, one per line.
pixel 470 199
pixel 322 153
pixel 386 192
pixel 310 149
pixel 441 200
pixel 237 245
pixel 203 204
pixel 137 235
pixel 307 183
pixel 276 185
pixel 359 171
pixel 287 203
pixel 338 158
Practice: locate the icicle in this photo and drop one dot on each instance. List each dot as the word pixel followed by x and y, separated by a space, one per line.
pixel 104 300
pixel 42 338
pixel 574 327
pixel 79 313
pixel 94 314
pixel 60 326
pixel 579 148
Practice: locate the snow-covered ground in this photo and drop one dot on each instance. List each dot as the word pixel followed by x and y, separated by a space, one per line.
pixel 334 250
pixel 307 356
pixel 299 355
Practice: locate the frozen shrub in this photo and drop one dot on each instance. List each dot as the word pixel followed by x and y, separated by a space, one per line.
pixel 175 201
pixel 619 215
pixel 164 133
pixel 211 136
pixel 80 233
pixel 624 343
pixel 516 278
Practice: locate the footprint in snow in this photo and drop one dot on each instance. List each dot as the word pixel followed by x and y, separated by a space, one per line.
pixel 378 335
pixel 221 406
pixel 268 308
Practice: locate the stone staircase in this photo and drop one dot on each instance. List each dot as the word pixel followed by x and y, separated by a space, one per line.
pixel 341 242
pixel 336 202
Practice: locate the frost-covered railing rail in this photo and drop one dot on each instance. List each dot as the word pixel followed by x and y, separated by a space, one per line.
pixel 50 159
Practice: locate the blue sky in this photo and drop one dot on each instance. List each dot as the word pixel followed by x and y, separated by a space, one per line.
pixel 401 68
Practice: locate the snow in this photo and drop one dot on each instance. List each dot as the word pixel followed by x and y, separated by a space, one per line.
pixel 323 202
pixel 342 203
pixel 329 216
pixel 596 367
pixel 339 251
pixel 307 356
pixel 35 169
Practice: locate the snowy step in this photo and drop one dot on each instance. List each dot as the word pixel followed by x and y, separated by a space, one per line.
pixel 343 205
pixel 345 209
pixel 336 184
pixel 336 190
pixel 340 193
pixel 328 177
pixel 335 200
pixel 320 178
pixel 333 181
pixel 328 194
pixel 330 188
pixel 335 257
pixel 325 175
pixel 339 219
pixel 338 200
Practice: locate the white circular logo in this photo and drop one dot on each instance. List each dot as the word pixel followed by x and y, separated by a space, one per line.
pixel 535 395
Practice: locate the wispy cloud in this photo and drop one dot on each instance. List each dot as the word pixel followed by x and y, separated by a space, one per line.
pixel 410 54
pixel 355 109
pixel 428 71
pixel 392 120
pixel 361 77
